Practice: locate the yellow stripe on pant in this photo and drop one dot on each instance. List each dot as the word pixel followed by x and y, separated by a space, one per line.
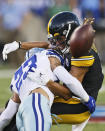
pixel 70 101
pixel 72 118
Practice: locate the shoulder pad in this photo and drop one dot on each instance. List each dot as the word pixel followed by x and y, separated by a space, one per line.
pixel 55 54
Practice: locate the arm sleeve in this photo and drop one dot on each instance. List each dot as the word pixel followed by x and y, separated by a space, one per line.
pixel 71 82
pixel 8 114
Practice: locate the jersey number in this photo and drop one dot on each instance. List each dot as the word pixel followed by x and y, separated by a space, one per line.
pixel 22 72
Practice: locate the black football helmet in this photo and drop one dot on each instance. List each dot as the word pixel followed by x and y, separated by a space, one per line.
pixel 62 24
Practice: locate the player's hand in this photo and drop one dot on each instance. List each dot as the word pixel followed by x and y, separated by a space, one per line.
pixel 90 104
pixel 88 21
pixel 9 48
pixel 38 76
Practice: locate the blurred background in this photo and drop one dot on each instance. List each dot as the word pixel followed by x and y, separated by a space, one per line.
pixel 26 20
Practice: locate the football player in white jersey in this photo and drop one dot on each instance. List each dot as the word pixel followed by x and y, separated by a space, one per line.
pixel 36 100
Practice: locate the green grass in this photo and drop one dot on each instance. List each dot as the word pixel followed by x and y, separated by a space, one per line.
pixel 7 66
pixel 103 68
pixel 104 81
pixel 101 98
pixel 5 92
pixel 89 127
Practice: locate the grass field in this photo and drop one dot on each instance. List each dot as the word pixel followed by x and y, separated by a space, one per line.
pixel 5 94
pixel 89 127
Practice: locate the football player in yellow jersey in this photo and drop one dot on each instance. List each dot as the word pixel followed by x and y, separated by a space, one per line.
pixel 87 69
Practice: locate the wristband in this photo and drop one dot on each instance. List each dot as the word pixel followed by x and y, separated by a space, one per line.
pixel 20 44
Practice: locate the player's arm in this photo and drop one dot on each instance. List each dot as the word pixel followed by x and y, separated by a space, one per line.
pixel 56 88
pixel 70 81
pixel 59 90
pixel 29 45
pixel 10 47
pixel 10 111
pixel 79 72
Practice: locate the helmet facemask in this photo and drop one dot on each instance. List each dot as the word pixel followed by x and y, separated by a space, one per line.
pixel 60 41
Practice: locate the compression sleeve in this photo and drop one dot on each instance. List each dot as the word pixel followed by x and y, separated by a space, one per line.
pixel 8 114
pixel 71 82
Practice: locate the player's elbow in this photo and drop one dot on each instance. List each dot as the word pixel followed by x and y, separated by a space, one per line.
pixel 67 95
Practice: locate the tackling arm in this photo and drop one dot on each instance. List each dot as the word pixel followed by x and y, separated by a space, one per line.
pixel 71 82
pixel 29 45
pixel 59 90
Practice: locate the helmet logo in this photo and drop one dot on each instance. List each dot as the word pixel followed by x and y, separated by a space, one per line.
pixel 56 34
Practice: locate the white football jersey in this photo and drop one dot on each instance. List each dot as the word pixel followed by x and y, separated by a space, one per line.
pixel 23 85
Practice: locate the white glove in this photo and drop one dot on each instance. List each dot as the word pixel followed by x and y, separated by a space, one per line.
pixel 38 76
pixel 9 48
